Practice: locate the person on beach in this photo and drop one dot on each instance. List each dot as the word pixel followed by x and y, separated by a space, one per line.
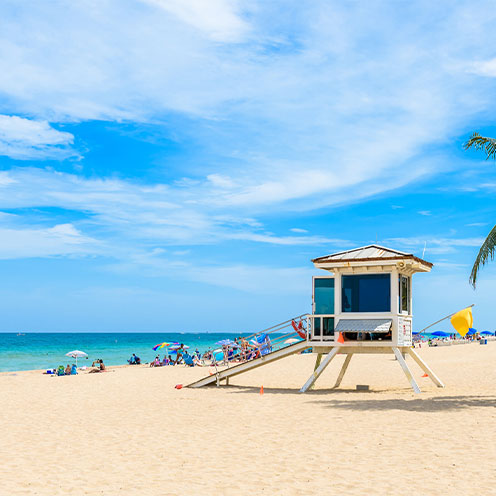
pixel 68 370
pixel 197 361
pixel 188 359
pixel 100 367
pixel 244 348
pixel 179 353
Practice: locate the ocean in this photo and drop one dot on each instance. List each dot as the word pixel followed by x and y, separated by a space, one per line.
pixel 47 350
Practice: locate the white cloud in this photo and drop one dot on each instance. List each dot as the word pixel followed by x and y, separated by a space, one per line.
pixel 26 139
pixel 424 212
pixel 59 240
pixel 435 245
pixel 243 277
pixel 294 112
pixel 311 119
pixel 298 230
pixel 286 240
pixel 484 68
pixel 218 19
pixel 5 179
pixel 254 278
pixel 128 215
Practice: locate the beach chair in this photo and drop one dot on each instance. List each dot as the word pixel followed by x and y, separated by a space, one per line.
pixel 74 370
pixel 61 370
pixel 188 360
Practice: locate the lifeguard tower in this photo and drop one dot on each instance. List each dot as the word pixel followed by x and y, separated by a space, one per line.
pixel 362 305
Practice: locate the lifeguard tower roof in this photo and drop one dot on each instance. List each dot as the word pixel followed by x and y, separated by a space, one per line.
pixel 372 255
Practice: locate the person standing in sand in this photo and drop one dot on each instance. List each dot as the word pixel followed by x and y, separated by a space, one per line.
pixel 179 353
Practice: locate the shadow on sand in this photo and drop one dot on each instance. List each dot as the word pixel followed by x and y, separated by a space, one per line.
pixel 369 403
pixel 436 404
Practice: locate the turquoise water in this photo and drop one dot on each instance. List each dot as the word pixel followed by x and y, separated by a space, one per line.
pixel 47 350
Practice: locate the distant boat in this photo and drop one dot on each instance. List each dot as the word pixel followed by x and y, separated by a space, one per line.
pixel 21 334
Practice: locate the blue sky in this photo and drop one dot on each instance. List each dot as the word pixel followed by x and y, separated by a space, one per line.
pixel 173 165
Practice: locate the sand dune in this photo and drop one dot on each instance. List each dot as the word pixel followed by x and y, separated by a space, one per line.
pixel 129 431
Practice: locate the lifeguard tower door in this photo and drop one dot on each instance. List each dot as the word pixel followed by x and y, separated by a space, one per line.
pixel 323 308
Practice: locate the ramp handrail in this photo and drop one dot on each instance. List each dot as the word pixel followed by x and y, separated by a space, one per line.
pixel 240 368
pixel 281 325
pixel 273 343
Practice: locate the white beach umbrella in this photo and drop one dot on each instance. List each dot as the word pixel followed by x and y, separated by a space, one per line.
pixel 76 354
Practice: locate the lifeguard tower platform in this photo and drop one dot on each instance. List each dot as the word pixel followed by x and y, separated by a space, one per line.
pixel 362 305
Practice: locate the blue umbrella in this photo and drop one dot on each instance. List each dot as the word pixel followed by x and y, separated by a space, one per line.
pixel 472 330
pixel 487 333
pixel 441 334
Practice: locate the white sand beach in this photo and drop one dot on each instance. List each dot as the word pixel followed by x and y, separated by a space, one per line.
pixel 129 431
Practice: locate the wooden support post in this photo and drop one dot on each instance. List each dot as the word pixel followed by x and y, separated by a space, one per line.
pixel 434 378
pixel 406 370
pixel 343 369
pixel 317 363
pixel 316 373
pixel 227 381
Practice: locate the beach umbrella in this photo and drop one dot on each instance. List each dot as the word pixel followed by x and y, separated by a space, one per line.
pixel 472 331
pixel 225 342
pixel 76 354
pixel 176 346
pixel 487 333
pixel 441 334
pixel 160 346
pixel 292 341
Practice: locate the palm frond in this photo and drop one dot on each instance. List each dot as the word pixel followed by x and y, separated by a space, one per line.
pixel 486 253
pixel 487 145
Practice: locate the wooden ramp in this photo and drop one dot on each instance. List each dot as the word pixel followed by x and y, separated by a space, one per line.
pixel 226 374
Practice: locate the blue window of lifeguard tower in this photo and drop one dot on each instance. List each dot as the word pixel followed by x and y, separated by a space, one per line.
pixel 323 299
pixel 324 295
pixel 366 293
